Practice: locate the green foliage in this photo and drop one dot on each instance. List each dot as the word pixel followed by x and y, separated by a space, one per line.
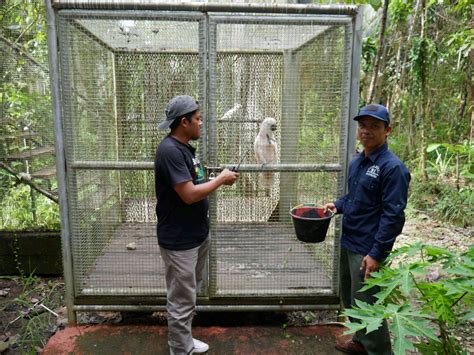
pixel 35 325
pixel 400 10
pixel 453 157
pixel 419 306
pixel 421 53
pixel 24 23
pixel 369 51
pixel 16 206
pixel 448 194
pixel 460 43
pixel 25 106
pixel 443 200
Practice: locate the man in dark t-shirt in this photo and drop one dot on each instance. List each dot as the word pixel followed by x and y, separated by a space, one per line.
pixel 182 211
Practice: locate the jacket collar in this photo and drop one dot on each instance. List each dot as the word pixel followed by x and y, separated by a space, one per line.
pixel 375 154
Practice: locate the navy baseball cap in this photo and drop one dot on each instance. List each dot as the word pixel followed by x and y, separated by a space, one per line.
pixel 177 107
pixel 377 111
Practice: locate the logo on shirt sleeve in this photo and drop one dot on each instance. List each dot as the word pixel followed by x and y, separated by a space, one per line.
pixel 373 171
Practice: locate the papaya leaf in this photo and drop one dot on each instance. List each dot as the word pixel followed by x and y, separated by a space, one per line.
pixel 399 331
pixel 461 270
pixel 408 250
pixel 459 286
pixel 368 307
pixel 441 305
pixel 437 252
pixel 431 347
pixel 353 327
pixel 409 323
pixel 374 324
pixel 469 315
pixel 370 317
pixel 468 260
pixel 385 292
pixel 418 325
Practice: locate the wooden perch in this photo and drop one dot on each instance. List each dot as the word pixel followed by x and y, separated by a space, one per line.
pixel 25 180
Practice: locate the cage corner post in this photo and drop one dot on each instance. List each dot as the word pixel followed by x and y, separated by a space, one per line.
pixel 289 148
pixel 354 37
pixel 210 35
pixel 354 83
pixel 60 161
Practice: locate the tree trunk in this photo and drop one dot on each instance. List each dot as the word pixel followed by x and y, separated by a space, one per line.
pixel 430 95
pixel 373 82
pixel 380 90
pixel 393 94
pixel 401 82
pixel 423 153
pixel 470 92
pixel 409 118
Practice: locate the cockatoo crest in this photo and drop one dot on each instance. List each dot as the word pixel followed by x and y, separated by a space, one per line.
pixel 268 126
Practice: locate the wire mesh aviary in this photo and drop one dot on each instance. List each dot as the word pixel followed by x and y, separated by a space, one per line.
pixel 119 68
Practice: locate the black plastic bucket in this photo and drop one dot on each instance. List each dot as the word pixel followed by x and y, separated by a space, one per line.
pixel 310 222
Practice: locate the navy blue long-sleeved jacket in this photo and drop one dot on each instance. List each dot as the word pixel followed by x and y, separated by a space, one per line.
pixel 374 206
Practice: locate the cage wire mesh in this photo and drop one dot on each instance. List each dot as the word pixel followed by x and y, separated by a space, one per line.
pixel 295 74
pixel 26 125
pixel 116 92
pixel 118 71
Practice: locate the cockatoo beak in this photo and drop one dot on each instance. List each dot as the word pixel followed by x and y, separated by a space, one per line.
pixel 273 127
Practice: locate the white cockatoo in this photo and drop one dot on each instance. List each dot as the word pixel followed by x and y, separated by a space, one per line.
pixel 266 149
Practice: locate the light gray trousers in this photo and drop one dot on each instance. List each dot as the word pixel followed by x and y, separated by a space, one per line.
pixel 352 280
pixel 184 272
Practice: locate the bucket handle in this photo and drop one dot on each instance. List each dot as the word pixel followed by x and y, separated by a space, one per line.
pixel 311 204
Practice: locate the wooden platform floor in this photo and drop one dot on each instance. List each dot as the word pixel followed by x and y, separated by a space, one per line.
pixel 262 259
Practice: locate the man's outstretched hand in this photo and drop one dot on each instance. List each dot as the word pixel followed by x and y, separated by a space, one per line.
pixel 330 206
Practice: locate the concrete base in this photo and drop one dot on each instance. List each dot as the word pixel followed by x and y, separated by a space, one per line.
pixel 31 252
pixel 146 339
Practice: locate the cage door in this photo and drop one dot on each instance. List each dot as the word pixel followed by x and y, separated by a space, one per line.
pixel 118 71
pixel 278 107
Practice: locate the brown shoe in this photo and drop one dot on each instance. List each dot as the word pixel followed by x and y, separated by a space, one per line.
pixel 351 347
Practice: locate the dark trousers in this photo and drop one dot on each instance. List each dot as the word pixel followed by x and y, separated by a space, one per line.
pixel 352 278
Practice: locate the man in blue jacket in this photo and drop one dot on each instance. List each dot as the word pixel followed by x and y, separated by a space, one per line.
pixel 374 216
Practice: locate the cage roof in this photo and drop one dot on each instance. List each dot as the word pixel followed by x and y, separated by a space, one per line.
pixel 146 35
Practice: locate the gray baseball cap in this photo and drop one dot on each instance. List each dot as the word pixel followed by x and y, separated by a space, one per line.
pixel 177 107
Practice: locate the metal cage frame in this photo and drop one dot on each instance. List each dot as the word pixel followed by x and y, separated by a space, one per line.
pixel 348 16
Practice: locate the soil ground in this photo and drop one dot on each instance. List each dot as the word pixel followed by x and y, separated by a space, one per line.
pixel 32 308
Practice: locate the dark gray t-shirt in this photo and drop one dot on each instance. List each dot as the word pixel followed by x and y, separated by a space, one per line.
pixel 180 226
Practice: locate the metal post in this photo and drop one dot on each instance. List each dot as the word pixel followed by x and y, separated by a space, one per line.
pixel 354 39
pixel 203 83
pixel 60 163
pixel 289 124
pixel 203 96
pixel 355 74
pixel 118 114
pixel 211 143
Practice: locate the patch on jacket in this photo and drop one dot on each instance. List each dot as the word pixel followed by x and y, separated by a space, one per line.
pixel 373 171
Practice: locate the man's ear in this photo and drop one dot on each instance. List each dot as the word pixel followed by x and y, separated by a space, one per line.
pixel 388 131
